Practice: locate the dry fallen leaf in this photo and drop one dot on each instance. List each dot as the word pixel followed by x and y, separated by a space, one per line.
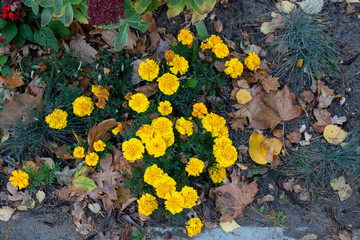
pixel 218 26
pixel 322 116
pixel 285 6
pixel 87 52
pixel 148 89
pixel 278 21
pixel 6 213
pixel 229 226
pixel 232 198
pixel 344 190
pixel 338 120
pixel 16 80
pixel 243 96
pixel 256 148
pixel 294 137
pixel 334 135
pixel 309 237
pixel 270 83
pixel 311 6
pixel 98 130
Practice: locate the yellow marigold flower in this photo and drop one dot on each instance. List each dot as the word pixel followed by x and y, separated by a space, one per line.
pixel 149 70
pixel 226 155
pixel 223 132
pixel 83 106
pixel 168 83
pixel 162 126
pixel 179 65
pixel 133 149
pixel 118 129
pixel 169 55
pixel 156 147
pixel 147 204
pixel 213 123
pixel 190 197
pixel 139 103
pixel 221 142
pixel 169 139
pixel 211 42
pixel 184 127
pixel 221 50
pixel 57 119
pixel 152 174
pixel 96 90
pixel 164 185
pixel 174 202
pixel 194 167
pixel 185 37
pixel 199 110
pixel 99 146
pixel 92 159
pixel 217 173
pixel 165 108
pixel 100 91
pixel 194 227
pixel 145 133
pixel 252 61
pixel 79 152
pixel 234 68
pixel 19 178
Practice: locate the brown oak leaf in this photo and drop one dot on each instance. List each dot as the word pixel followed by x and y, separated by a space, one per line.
pixel 270 83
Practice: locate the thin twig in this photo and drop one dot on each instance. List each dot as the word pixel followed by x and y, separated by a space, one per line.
pixel 141 229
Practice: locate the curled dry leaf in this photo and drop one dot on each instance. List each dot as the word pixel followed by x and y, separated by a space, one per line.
pixel 99 130
pixel 135 72
pixel 278 21
pixel 232 198
pixel 334 135
pixel 229 226
pixel 148 89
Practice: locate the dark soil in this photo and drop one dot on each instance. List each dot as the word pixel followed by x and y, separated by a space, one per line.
pixel 325 215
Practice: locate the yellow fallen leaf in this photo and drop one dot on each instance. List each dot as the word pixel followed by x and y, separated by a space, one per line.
pixel 285 6
pixel 243 96
pixel 275 143
pixel 229 226
pixel 40 196
pixel 334 135
pixel 300 63
pixel 256 148
pixel 6 213
pixel 353 1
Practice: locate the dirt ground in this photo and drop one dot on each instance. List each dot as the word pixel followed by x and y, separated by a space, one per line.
pixel 325 215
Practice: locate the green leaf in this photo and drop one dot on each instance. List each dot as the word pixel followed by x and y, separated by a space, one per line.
pixel 262 208
pixel 121 38
pixel 35 7
pixel 25 32
pixel 3 59
pixel 82 171
pixel 271 217
pixel 175 8
pixel 6 71
pixel 58 4
pixel 84 184
pixel 59 29
pixel 19 40
pixel 9 32
pixel 46 3
pixel 68 15
pixel 282 196
pixel 190 83
pixel 2 23
pixel 45 17
pixel 80 16
pixel 46 37
pixel 75 2
pixel 153 6
pixel 201 30
pixel 141 5
pixel 84 8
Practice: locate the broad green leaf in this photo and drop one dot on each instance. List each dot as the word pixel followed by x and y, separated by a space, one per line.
pixel 68 15
pixel 113 26
pixel 59 29
pixel 2 23
pixel 46 3
pixel 141 5
pixel 135 22
pixel 80 16
pixel 201 30
pixel 25 32
pixel 35 7
pixel 58 4
pixel 190 83
pixel 3 59
pixel 153 6
pixel 46 37
pixel 121 38
pixel 6 71
pixel 45 17
pixel 84 8
pixel 175 8
pixel 9 32
pixel 84 184
pixel 19 40
pixel 75 2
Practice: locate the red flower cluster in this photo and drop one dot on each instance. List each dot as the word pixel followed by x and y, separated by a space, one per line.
pixel 105 12
pixel 8 14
